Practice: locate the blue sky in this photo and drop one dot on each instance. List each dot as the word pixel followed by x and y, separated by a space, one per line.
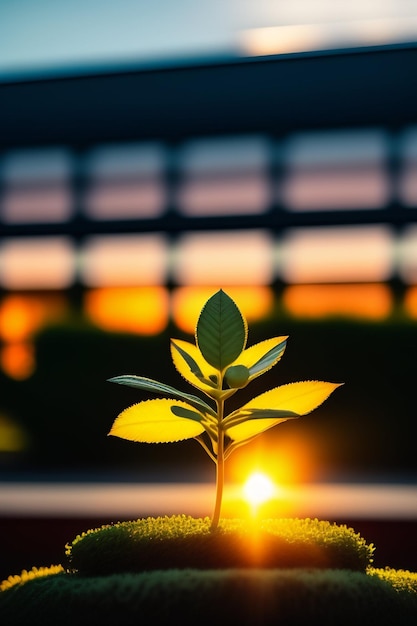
pixel 51 32
pixel 36 34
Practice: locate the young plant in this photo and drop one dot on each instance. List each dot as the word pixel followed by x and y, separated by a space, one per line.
pixel 218 364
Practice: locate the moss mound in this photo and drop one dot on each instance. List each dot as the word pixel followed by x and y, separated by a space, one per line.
pixel 187 542
pixel 162 570
pixel 241 596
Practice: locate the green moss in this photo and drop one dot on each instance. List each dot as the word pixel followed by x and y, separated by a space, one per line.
pixel 401 580
pixel 25 576
pixel 239 596
pixel 292 572
pixel 187 542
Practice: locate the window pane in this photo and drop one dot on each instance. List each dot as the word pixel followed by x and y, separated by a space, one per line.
pixel 35 165
pixel 336 170
pixel 126 181
pixel 37 186
pixel 224 176
pixel 350 254
pixel 38 263
pixel 224 258
pixel 224 154
pixel 124 260
pixel 225 195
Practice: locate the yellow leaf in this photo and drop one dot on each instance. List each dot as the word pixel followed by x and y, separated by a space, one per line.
pixel 253 354
pixel 300 398
pixel 153 421
pixel 185 370
pixel 252 428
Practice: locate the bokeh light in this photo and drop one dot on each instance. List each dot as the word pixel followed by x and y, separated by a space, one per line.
pixel 140 310
pixel 18 360
pixel 373 302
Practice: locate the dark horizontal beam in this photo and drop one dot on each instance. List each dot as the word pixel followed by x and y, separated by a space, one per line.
pixel 369 86
pixel 275 221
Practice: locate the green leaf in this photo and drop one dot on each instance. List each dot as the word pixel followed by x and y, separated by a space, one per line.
pixel 221 331
pixel 210 423
pixel 147 384
pixel 238 417
pixel 153 421
pixel 243 428
pixel 181 411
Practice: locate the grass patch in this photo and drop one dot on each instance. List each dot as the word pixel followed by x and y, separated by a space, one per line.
pixel 160 570
pixel 186 542
pixel 241 596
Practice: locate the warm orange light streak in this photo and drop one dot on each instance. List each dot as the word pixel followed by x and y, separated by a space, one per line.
pixel 254 302
pixel 21 316
pixel 372 302
pixel 410 302
pixel 17 360
pixel 140 310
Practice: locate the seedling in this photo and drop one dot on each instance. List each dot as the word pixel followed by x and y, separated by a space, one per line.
pixel 218 364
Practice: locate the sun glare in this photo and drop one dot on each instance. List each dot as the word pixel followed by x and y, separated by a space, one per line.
pixel 258 489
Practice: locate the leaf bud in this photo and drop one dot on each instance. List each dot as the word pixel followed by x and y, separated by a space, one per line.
pixel 237 376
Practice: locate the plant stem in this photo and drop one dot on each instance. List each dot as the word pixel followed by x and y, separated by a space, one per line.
pixel 219 467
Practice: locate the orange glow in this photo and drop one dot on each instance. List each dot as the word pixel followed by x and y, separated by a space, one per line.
pixel 141 310
pixel 286 458
pixel 17 360
pixel 187 302
pixel 373 302
pixel 410 302
pixel 21 316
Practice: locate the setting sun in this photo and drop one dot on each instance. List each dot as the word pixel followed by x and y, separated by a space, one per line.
pixel 258 489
